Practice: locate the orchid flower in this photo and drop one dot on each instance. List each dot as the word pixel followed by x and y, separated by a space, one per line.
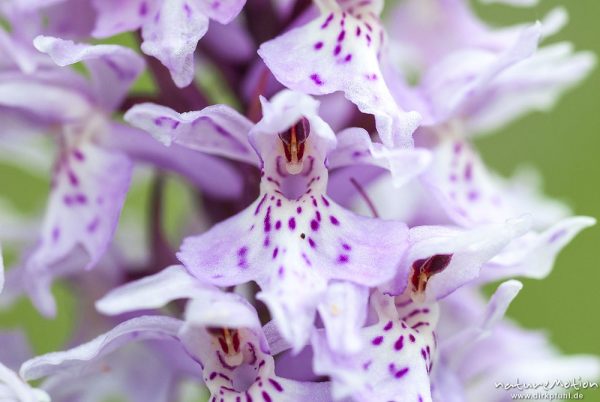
pixel 340 51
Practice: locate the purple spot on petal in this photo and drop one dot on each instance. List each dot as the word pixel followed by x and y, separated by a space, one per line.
pixel 276 385
pixel 143 8
pixel 401 373
pixel 318 45
pixel 399 344
pixel 93 225
pixel 377 340
pixel 469 171
pixel 78 155
pixel 334 220
pixel 292 224
pixel 55 234
pixel 316 79
pixel 343 259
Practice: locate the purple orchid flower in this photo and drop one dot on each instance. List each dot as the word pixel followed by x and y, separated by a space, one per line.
pixel 340 51
pixel 293 226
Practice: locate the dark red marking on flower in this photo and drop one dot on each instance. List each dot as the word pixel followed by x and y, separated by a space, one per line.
pixel 293 140
pixel 334 220
pixel 411 338
pixel 292 224
pixel 318 45
pixel 325 201
pixel 424 269
pixel 266 396
pixel 314 225
pixel 312 243
pixel 388 326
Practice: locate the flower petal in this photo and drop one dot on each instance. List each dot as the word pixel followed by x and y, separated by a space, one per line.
pixel 113 68
pixel 355 147
pixel 343 313
pixel 117 16
pixel 14 389
pixel 471 195
pixel 152 292
pixel 139 328
pixel 172 35
pixel 217 130
pixel 466 74
pixel 223 11
pixel 533 255
pixel 217 177
pixel 88 192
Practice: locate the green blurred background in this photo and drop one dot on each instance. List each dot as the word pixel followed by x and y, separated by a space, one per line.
pixel 563 144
